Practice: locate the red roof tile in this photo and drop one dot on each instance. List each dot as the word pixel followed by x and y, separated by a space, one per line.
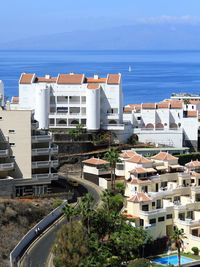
pixel 192 113
pixel 139 159
pixel 139 197
pixel 70 78
pixel 93 80
pixel 195 163
pixel 26 78
pixel 113 79
pixel 93 86
pixel 127 154
pixel 149 105
pixel 95 161
pixel 165 156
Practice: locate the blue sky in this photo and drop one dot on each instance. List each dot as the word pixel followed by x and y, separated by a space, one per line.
pixel 26 18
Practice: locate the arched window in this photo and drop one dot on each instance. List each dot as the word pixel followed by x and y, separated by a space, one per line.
pixel 173 125
pixel 112 122
pixel 159 125
pixel 149 126
pixel 75 122
pixel 62 122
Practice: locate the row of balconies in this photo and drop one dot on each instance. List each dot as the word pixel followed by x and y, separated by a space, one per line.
pixel 41 138
pixel 51 176
pixel 7 166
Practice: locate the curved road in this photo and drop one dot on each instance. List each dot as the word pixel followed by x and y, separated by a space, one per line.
pixel 37 255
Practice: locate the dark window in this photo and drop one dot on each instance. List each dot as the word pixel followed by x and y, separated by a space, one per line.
pixel 145 207
pixel 0 118
pixel 141 222
pixel 161 219
pixel 138 118
pixel 152 221
pixel 11 131
pixel 169 216
pixel 12 144
pixel 153 204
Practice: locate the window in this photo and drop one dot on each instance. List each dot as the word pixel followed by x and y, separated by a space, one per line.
pixel 1 118
pixel 138 118
pixel 153 204
pixel 145 207
pixel 141 222
pixel 169 216
pixel 152 221
pixel 12 144
pixel 161 219
pixel 192 107
pixel 11 131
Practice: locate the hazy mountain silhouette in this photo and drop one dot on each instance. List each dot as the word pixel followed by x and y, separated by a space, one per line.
pixel 157 36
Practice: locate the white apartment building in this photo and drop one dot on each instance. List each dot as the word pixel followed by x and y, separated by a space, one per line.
pixel 70 99
pixel 27 164
pixel 165 123
pixel 162 194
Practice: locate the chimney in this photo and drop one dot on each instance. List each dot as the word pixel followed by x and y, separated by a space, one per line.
pixel 96 77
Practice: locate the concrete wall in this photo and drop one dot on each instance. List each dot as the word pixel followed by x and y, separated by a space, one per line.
pixel 18 121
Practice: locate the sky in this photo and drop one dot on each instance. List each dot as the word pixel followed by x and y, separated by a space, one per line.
pixel 27 18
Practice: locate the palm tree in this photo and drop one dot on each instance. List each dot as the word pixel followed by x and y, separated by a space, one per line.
pixel 113 157
pixel 177 237
pixel 69 212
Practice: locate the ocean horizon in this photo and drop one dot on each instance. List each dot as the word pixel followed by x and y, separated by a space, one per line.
pixel 154 75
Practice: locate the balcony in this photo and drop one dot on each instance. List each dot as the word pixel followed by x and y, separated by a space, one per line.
pixel 35 125
pixel 152 212
pixel 51 176
pixel 45 151
pixel 115 127
pixel 44 164
pixel 7 166
pixel 41 138
pixel 4 153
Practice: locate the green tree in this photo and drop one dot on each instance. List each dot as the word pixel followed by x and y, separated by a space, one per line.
pixel 69 212
pixel 86 210
pixel 113 157
pixel 177 238
pixel 139 262
pixel 71 245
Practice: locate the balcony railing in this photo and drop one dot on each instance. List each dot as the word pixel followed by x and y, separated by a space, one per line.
pixel 4 153
pixel 51 176
pixel 41 138
pixel 44 151
pixel 44 164
pixel 151 212
pixel 7 166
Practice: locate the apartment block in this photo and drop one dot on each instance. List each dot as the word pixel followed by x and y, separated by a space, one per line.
pixel 161 194
pixel 166 123
pixel 70 99
pixel 27 154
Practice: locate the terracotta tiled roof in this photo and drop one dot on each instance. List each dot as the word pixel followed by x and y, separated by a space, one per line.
pixel 139 159
pixel 149 105
pixel 93 80
pixel 138 170
pixel 130 216
pixel 15 100
pixel 194 102
pixel 132 107
pixel 165 156
pixel 95 161
pixel 195 174
pixel 26 78
pixel 127 154
pixel 93 86
pixel 45 80
pixel 70 79
pixel 113 79
pixel 139 197
pixel 163 105
pixel 195 163
pixel 138 181
pixel 176 104
pixel 192 113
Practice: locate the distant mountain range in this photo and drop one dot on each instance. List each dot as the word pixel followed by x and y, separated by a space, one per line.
pixel 157 36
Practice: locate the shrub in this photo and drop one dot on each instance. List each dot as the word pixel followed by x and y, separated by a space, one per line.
pixel 139 262
pixel 195 250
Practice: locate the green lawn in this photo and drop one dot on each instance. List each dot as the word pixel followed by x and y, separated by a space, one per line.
pixel 190 255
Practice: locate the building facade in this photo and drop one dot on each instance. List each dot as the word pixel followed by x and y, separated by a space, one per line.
pixel 70 99
pixel 27 154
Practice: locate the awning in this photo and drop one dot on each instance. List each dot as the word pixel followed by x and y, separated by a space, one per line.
pixel 175 166
pixel 160 168
pixel 150 170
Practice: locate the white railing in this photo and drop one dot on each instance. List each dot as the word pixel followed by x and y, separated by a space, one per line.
pixel 7 166
pixel 44 164
pixel 4 153
pixel 45 151
pixel 151 212
pixel 188 222
pixel 45 176
pixel 193 237
pixel 40 138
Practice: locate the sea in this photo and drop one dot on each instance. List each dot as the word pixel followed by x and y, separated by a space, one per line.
pixel 147 76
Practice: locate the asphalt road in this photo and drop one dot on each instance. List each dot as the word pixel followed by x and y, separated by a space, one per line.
pixel 38 255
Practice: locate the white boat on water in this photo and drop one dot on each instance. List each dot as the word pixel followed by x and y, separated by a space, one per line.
pixel 129 68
